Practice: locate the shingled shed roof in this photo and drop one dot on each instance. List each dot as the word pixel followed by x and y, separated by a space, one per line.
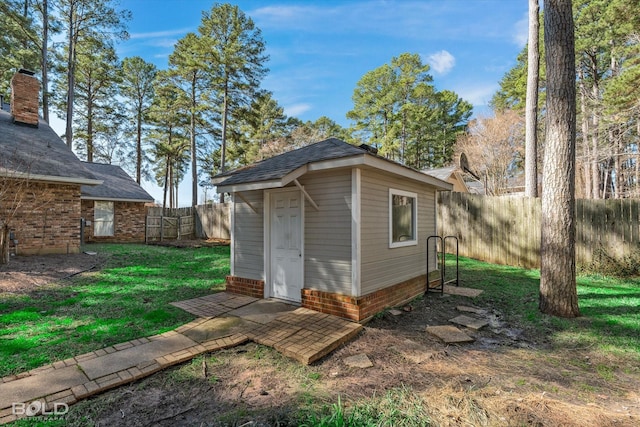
pixel 117 185
pixel 38 154
pixel 331 153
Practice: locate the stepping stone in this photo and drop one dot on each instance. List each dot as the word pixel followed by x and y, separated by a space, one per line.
pixel 469 322
pixel 417 353
pixel 358 361
pixel 465 292
pixel 395 312
pixel 466 309
pixel 449 334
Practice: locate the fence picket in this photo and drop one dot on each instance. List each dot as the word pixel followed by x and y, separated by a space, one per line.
pixel 205 221
pixel 507 230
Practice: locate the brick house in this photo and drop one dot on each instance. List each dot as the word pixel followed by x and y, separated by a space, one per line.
pixel 114 211
pixel 43 183
pixel 333 227
pixel 39 175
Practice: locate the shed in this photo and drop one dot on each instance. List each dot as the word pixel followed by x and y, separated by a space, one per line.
pixel 114 211
pixel 331 226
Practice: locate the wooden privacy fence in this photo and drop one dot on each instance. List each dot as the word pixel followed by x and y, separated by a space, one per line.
pixel 213 221
pixel 203 221
pixel 506 230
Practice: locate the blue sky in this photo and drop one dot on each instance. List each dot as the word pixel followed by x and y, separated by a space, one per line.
pixel 320 49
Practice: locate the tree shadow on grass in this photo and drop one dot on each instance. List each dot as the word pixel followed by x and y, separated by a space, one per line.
pixel 129 298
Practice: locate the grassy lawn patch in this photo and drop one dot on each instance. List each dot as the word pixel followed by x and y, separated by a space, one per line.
pixel 610 307
pixel 583 370
pixel 127 299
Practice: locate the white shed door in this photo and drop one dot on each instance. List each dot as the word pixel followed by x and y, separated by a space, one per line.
pixel 286 245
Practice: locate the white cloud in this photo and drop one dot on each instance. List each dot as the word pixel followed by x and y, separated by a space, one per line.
pixel 296 109
pixel 479 94
pixel 521 31
pixel 442 62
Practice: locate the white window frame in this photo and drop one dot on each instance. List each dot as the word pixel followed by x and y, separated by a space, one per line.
pixel 414 241
pixel 107 205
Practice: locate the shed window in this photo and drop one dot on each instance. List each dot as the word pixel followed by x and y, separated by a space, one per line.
pixel 403 215
pixel 103 218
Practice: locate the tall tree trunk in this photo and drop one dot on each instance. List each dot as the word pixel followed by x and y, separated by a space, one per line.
pixel 225 112
pixel 558 295
pixel 595 133
pixel 617 163
pixel 71 66
pixel 166 182
pixel 139 146
pixel 586 162
pixel 44 60
pixel 171 195
pixel 531 108
pixel 89 127
pixel 194 161
pixel 637 174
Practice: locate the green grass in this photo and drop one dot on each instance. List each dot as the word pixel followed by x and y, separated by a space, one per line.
pixel 129 298
pixel 609 306
pixel 399 407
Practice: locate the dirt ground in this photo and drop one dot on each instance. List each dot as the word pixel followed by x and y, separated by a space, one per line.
pixel 23 274
pixel 195 243
pixel 509 376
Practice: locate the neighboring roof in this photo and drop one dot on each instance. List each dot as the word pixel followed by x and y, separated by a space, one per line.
pixel 38 154
pixel 441 173
pixel 450 174
pixel 117 185
pixel 331 153
pixel 475 187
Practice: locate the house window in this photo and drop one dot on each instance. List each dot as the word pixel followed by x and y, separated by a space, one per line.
pixel 103 219
pixel 403 215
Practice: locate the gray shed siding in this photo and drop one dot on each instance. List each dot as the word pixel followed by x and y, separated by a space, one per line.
pixel 383 266
pixel 248 236
pixel 327 233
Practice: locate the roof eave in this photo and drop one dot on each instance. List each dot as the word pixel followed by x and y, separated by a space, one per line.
pixel 48 178
pixel 115 199
pixel 363 159
pixel 264 185
pixel 219 179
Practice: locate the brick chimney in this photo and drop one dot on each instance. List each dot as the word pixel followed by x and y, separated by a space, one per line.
pixel 25 95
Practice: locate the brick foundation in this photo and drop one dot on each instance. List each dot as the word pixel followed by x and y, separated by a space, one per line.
pixel 242 286
pixel 362 308
pixel 129 222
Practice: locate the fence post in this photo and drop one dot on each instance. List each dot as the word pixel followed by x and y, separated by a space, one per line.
pixel 162 227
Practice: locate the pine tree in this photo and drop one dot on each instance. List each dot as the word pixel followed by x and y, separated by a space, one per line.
pixel 558 294
pixel 137 89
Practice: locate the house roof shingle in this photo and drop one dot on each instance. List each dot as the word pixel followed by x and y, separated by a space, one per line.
pixel 38 153
pixel 277 171
pixel 279 166
pixel 117 185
